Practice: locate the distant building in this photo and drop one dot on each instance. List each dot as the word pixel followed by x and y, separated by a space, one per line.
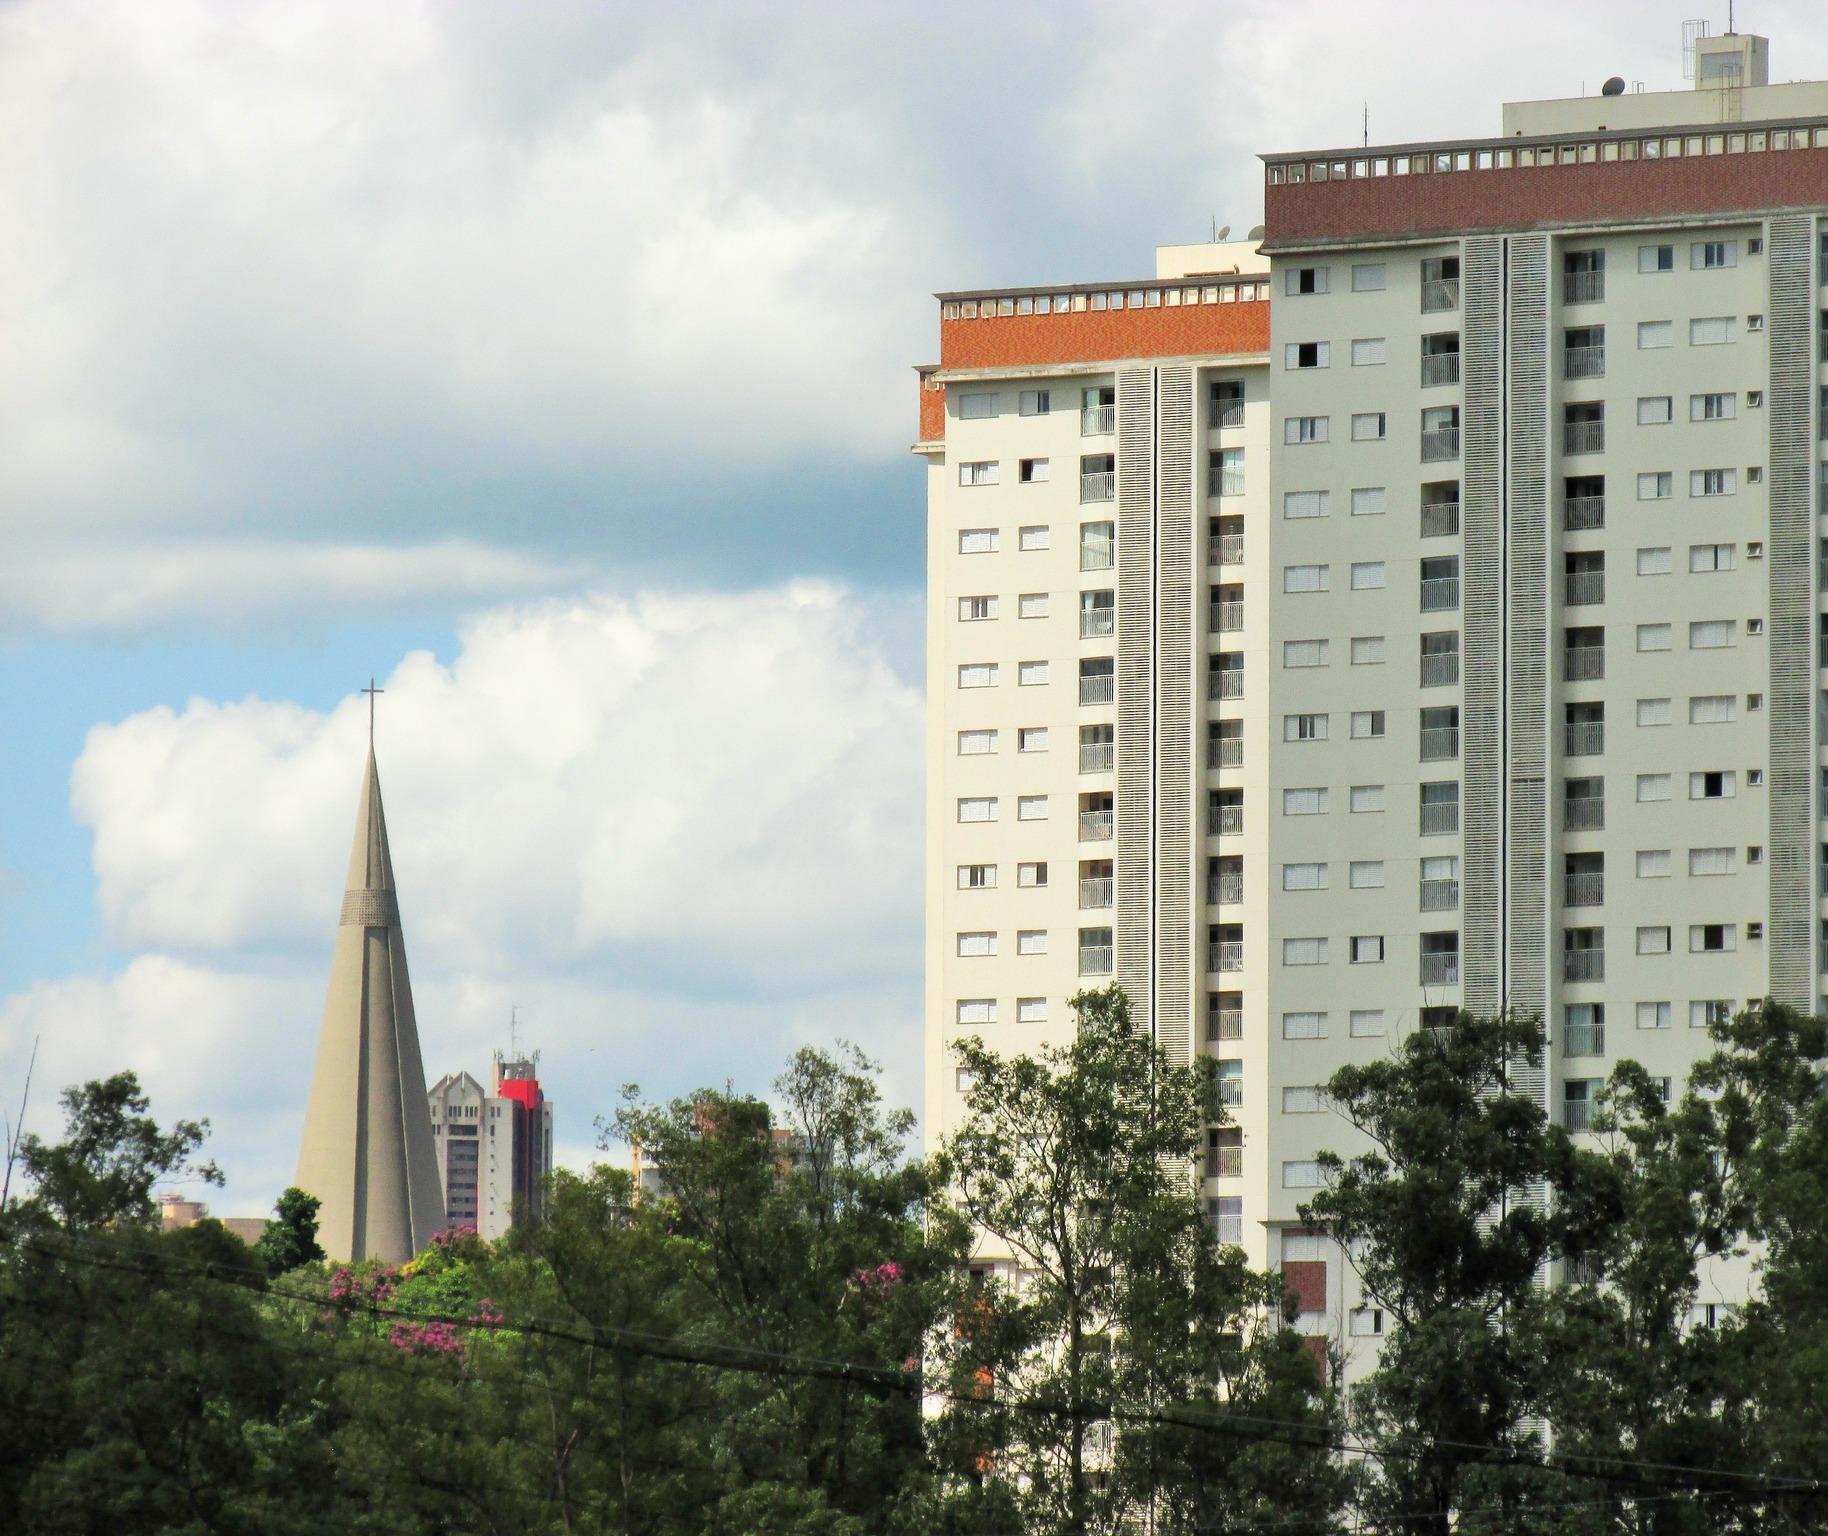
pixel 494 1145
pixel 175 1212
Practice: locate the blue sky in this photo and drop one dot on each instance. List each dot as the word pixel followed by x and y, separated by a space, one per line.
pixel 552 364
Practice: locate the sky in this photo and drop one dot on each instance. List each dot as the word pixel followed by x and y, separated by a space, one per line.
pixel 551 364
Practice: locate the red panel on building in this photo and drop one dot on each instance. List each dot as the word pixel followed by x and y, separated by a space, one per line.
pixel 1306 1280
pixel 1093 336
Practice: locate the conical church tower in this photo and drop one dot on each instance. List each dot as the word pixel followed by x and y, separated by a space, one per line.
pixel 368 1153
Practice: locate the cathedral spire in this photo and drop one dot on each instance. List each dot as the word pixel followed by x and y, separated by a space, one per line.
pixel 367 1152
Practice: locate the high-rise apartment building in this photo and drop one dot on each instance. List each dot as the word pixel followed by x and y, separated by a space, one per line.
pixel 494 1146
pixel 1412 609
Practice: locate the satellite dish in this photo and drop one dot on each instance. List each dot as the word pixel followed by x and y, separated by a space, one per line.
pixel 1613 87
pixel 1223 232
pixel 1256 233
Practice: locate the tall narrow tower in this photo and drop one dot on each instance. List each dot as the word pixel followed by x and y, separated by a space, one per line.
pixel 368 1153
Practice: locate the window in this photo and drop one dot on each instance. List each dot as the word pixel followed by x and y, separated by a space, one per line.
pixel 1300 504
pixel 1031 674
pixel 1034 472
pixel 976 743
pixel 1710 331
pixel 1710 861
pixel 1654 712
pixel 1658 485
pixel 977 1010
pixel 1304 429
pixel 1299 280
pixel 1653 1015
pixel 1368 277
pixel 1031 808
pixel 1305 1026
pixel 1709 1012
pixel 1367 1023
pixel 1711 784
pixel 1654 561
pixel 1653 786
pixel 1367 575
pixel 1031 876
pixel 1036 402
pixel 1713 407
pixel 1368 352
pixel 1367 724
pixel 976 945
pixel 1368 427
pixel 1710 255
pixel 1097 546
pixel 1366 799
pixel 977 541
pixel 1036 536
pixel 1031 1010
pixel 978 472
pixel 1367 1322
pixel 1304 877
pixel 1031 738
pixel 1303 952
pixel 1654 410
pixel 962 1080
pixel 1301 1173
pixel 1367 949
pixel 1231 471
pixel 977 674
pixel 1365 874
pixel 1367 650
pixel 1710 634
pixel 1712 938
pixel 1656 258
pixel 1304 802
pixel 1304 653
pixel 1304 578
pixel 1656 333
pixel 1712 557
pixel 1710 708
pixel 1304 1101
pixel 1305 354
pixel 977 405
pixel 1653 637
pixel 1712 482
pixel 977 877
pixel 1032 605
pixel 1304 727
pixel 979 809
pixel 1653 940
pixel 972 609
pixel 1031 941
pixel 1368 501
pixel 1653 863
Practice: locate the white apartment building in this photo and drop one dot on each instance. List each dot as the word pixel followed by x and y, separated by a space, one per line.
pixel 494 1145
pixel 1412 609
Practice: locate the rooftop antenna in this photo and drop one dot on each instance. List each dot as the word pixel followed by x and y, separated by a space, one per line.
pixel 1367 125
pixel 15 1131
pixel 514 1030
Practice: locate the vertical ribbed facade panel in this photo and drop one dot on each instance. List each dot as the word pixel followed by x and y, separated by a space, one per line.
pixel 1173 1009
pixel 1790 565
pixel 1482 639
pixel 1135 687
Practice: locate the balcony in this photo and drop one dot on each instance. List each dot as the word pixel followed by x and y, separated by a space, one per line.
pixel 1097 557
pixel 1094 959
pixel 1096 623
pixel 1225 1024
pixel 1440 519
pixel 1583 287
pixel 1097 892
pixel 1583 1040
pixel 1225 413
pixel 1097 690
pixel 1580 588
pixel 1097 420
pixel 1577 1114
pixel 1821 562
pixel 1096 826
pixel 1100 485
pixel 1224 1162
pixel 1440 742
pixel 1586 813
pixel 1579 514
pixel 1583 363
pixel 1225 685
pixel 1226 955
pixel 1583 437
pixel 1440 295
pixel 1440 671
pixel 1097 756
pixel 1225 752
pixel 1440 895
pixel 1440 368
pixel 1441 820
pixel 1224 820
pixel 1440 593
pixel 1584 738
pixel 1226 549
pixel 1583 663
pixel 1225 890
pixel 1231 1091
pixel 1441 443
pixel 1228 1229
pixel 1586 890
pixel 1226 617
pixel 1583 964
pixel 1441 970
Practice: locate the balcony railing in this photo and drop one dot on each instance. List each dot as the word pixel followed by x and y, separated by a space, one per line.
pixel 1097 690
pixel 1440 368
pixel 1585 813
pixel 1225 685
pixel 1226 549
pixel 1097 756
pixel 1226 616
pixel 1583 663
pixel 1441 970
pixel 1440 671
pixel 1440 895
pixel 1224 1162
pixel 1097 420
pixel 1231 1091
pixel 1096 826
pixel 1583 964
pixel 1577 1114
pixel 1583 587
pixel 1583 1040
pixel 1440 742
pixel 1226 413
pixel 1224 820
pixel 1583 287
pixel 1821 573
pixel 1587 890
pixel 1584 738
pixel 1094 959
pixel 1580 513
pixel 1583 437
pixel 1439 294
pixel 1226 955
pixel 1098 891
pixel 1440 593
pixel 1225 890
pixel 1099 485
pixel 1440 820
pixel 1096 623
pixel 1440 519
pixel 1440 443
pixel 1225 1024
pixel 1583 363
pixel 1225 752
pixel 1097 557
pixel 1228 1229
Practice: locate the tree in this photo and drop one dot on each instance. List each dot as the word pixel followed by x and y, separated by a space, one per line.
pixel 1116 1382
pixel 290 1239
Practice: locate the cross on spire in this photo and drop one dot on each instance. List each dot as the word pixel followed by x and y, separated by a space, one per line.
pixel 371 691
